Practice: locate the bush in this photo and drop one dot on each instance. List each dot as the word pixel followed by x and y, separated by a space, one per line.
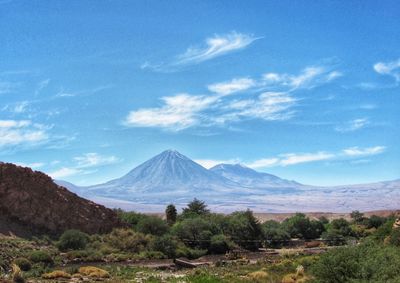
pixel 300 226
pixel 152 225
pixel 394 238
pixel 342 226
pixel 219 244
pixel 333 238
pixel 41 257
pixel 368 262
pixel 72 240
pixel 375 221
pixel 131 218
pixel 165 244
pixel 23 263
pixel 274 234
pixel 127 240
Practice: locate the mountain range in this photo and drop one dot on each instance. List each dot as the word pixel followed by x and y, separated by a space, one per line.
pixel 171 177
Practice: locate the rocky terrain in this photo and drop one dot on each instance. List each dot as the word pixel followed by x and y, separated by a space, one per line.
pixel 30 202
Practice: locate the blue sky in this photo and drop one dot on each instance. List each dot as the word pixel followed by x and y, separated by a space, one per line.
pixel 306 90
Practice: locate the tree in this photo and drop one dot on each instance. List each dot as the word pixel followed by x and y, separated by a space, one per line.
pixel 193 232
pixel 171 214
pixel 195 208
pixel 375 221
pixel 274 234
pixel 245 230
pixel 300 226
pixel 357 216
pixel 342 226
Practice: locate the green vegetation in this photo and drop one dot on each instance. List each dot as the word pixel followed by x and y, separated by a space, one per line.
pixel 23 263
pixel 197 232
pixel 171 214
pixel 73 240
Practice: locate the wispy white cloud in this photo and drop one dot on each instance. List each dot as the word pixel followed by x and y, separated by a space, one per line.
pixel 18 107
pixel 353 125
pixel 216 46
pixel 83 165
pixel 391 68
pixel 8 87
pixel 263 162
pixel 64 93
pixel 288 159
pixel 213 47
pixel 221 107
pixel 94 159
pixel 293 158
pixel 309 77
pixel 178 112
pixel 229 87
pixel 21 132
pixel 64 172
pixel 34 165
pixel 356 151
pixel 41 85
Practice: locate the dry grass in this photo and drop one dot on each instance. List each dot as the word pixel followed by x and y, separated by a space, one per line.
pixel 56 274
pixel 258 276
pixel 94 272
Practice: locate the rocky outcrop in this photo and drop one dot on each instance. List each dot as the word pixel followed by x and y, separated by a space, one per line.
pixel 30 202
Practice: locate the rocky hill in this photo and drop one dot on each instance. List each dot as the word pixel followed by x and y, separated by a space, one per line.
pixel 30 202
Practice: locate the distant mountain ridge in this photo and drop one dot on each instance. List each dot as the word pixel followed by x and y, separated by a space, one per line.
pixel 171 177
pixel 248 177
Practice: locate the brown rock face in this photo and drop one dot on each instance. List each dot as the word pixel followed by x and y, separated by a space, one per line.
pixel 30 202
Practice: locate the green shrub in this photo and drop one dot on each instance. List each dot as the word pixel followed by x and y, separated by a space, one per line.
pixel 219 244
pixel 274 234
pixel 41 257
pixel 165 244
pixel 152 225
pixel 300 226
pixel 72 240
pixel 23 263
pixel 132 218
pixel 127 240
pixel 333 237
pixel 394 238
pixel 369 262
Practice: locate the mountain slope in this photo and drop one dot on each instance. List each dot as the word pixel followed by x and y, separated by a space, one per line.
pixel 167 173
pixel 171 177
pixel 31 199
pixel 248 177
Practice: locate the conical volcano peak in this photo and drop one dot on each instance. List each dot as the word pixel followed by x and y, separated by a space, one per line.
pixel 168 170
